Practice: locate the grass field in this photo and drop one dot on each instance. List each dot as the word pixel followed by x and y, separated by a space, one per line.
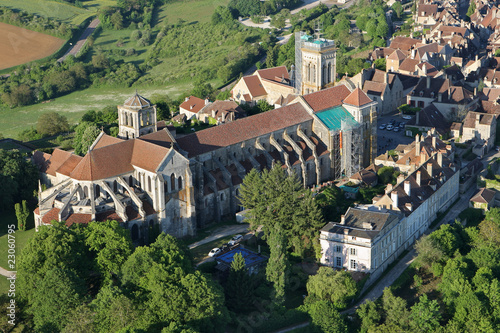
pixel 74 105
pixel 52 9
pixel 21 45
pixel 189 10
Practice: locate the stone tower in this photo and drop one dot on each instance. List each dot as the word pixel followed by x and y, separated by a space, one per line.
pixel 136 117
pixel 316 63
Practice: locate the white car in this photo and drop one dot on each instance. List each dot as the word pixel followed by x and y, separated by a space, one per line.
pixel 215 251
pixel 389 127
pixel 381 127
pixel 406 117
pixel 235 240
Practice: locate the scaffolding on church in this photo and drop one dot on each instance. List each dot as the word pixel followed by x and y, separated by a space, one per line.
pixel 337 154
pixel 352 148
pixel 298 61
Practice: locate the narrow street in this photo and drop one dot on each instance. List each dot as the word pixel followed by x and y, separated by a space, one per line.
pixel 74 49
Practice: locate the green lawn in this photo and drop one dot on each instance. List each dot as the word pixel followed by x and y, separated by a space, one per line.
pixel 189 10
pixel 56 10
pixel 74 105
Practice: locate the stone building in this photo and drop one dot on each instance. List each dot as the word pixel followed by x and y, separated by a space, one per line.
pixel 184 183
pixel 316 61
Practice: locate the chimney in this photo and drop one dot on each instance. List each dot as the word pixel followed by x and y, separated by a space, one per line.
pixel 191 107
pixel 433 142
pixel 419 178
pixel 440 33
pixel 213 114
pixel 186 99
pixel 407 186
pixel 401 177
pixel 346 231
pixel 475 92
pixel 388 188
pixel 428 83
pixel 342 219
pixel 424 68
pixel 206 101
pixel 409 206
pixel 477 57
pixel 386 77
pixel 394 198
pixel 440 97
pixel 429 169
pixel 413 53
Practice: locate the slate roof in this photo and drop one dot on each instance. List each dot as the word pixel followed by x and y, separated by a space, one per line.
pixel 243 129
pixel 355 219
pixel 484 119
pixel 327 98
pixel 483 195
pixel 403 43
pixel 430 117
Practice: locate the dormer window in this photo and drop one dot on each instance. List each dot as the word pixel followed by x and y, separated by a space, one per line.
pixel 413 92
pixel 421 93
pixel 432 94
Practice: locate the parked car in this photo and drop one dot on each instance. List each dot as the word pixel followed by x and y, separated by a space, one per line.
pixel 396 129
pixel 389 127
pixel 215 251
pixel 402 125
pixel 235 240
pixel 407 117
pixel 382 126
pixel 392 121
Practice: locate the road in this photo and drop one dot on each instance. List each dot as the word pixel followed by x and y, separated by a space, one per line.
pixel 6 273
pixel 222 232
pixel 81 41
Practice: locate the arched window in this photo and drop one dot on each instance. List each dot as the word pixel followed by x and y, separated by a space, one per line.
pixel 86 191
pixel 115 186
pixel 180 182
pixel 97 191
pixel 172 182
pixel 222 197
pixel 130 181
pixel 165 187
pixel 135 232
pixel 149 184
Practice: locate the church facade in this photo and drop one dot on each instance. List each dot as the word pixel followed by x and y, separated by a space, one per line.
pixel 148 177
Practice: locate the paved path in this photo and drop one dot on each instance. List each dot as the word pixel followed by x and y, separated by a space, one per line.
pixel 6 273
pixel 81 41
pixel 222 232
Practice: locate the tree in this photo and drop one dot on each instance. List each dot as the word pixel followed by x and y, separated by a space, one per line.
pixel 472 9
pixel 277 266
pixel 22 215
pixel 18 176
pixel 381 63
pixel 425 315
pixel 275 198
pixel 428 251
pixel 117 20
pixel 271 57
pixel 325 318
pixel 398 8
pixel 369 315
pixel 239 286
pixel 100 61
pixel 386 175
pixel 85 135
pixel 110 243
pixel 64 288
pixel 395 310
pixel 361 22
pixel 51 123
pixel 337 287
pixel 371 28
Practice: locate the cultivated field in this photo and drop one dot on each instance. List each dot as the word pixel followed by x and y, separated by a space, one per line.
pixel 21 45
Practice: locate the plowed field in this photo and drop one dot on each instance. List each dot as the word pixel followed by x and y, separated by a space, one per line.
pixel 19 45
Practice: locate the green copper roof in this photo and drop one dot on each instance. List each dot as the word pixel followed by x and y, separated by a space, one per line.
pixel 333 118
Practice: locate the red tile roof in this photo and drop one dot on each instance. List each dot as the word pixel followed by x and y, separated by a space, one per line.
pixel 78 219
pixel 327 98
pixel 275 74
pixel 358 98
pixel 67 167
pixel 243 129
pixel 56 160
pixel 484 195
pixel 106 140
pixel 193 104
pixel 254 86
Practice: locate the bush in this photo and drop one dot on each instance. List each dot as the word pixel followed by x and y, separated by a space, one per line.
pixel 437 269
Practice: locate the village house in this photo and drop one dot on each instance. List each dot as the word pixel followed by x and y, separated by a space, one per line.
pixel 481 129
pixel 484 199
